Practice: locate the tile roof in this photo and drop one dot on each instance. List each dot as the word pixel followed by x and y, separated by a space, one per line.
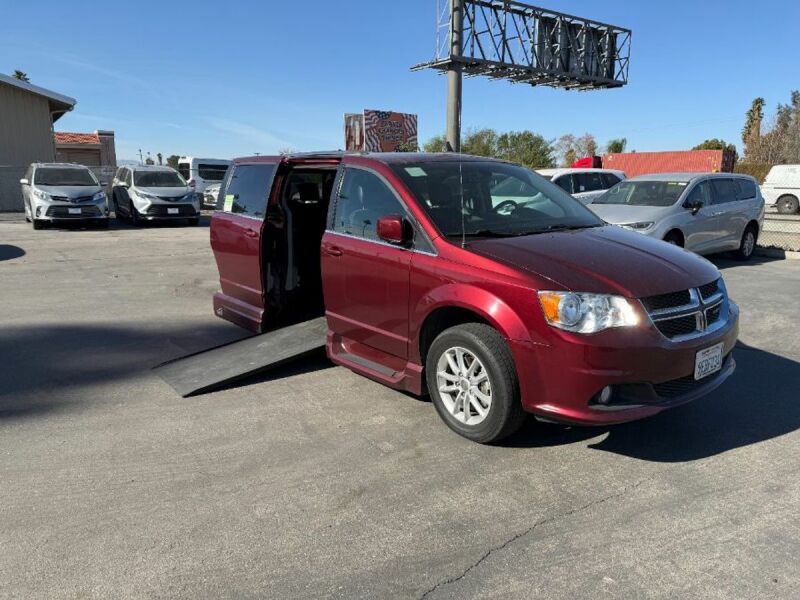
pixel 65 137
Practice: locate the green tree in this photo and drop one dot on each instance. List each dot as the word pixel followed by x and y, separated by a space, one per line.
pixel 480 142
pixel 616 146
pixel 436 144
pixel 21 75
pixel 715 144
pixel 172 161
pixel 160 158
pixel 526 148
pixel 751 132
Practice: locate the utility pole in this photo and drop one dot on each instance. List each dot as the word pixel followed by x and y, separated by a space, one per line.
pixel 455 76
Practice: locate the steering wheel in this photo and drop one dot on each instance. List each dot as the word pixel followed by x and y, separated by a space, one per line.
pixel 506 207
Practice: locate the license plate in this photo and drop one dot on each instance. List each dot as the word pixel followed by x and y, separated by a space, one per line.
pixel 708 361
pixel 172 211
pixel 74 211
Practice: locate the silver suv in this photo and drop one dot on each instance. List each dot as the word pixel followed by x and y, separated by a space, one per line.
pixel 703 212
pixel 60 192
pixel 153 193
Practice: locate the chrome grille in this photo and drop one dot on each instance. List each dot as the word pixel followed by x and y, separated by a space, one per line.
pixel 62 212
pixel 688 313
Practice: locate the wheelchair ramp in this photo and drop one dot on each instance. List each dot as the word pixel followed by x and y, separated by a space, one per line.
pixel 210 369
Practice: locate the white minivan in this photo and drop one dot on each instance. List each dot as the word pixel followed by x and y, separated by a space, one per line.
pixel 199 173
pixel 781 188
pixel 585 185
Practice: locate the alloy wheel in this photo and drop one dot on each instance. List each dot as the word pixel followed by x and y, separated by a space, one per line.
pixel 464 386
pixel 749 243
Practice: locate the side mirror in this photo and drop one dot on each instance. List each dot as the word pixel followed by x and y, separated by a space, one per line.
pixel 693 206
pixel 394 229
pixel 24 181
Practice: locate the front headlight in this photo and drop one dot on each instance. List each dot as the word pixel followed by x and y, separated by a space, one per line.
pixel 41 195
pixel 99 197
pixel 145 196
pixel 642 226
pixel 587 313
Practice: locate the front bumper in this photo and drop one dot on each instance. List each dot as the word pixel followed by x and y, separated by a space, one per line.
pixel 61 212
pixel 161 212
pixel 646 371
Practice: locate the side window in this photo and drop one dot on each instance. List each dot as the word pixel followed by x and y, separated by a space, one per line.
pixel 747 189
pixel 610 179
pixel 363 199
pixel 128 177
pixel 589 182
pixel 701 194
pixel 565 183
pixel 725 190
pixel 183 169
pixel 248 190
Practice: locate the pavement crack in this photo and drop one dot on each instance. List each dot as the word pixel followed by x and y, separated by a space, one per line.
pixel 625 490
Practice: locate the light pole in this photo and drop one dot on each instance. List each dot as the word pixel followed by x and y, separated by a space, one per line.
pixel 455 76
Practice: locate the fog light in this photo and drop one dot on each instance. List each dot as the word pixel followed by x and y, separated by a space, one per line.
pixel 38 211
pixel 604 396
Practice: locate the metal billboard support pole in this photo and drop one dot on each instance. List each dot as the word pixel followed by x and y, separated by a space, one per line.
pixel 455 76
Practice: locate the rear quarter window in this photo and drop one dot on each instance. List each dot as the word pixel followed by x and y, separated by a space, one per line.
pixel 747 189
pixel 725 190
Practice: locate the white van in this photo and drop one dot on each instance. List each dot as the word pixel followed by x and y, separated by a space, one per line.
pixel 199 173
pixel 781 188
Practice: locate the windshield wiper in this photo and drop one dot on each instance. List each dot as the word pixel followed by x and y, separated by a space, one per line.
pixel 551 228
pixel 484 233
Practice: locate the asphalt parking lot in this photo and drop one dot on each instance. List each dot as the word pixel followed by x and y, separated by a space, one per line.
pixel 314 482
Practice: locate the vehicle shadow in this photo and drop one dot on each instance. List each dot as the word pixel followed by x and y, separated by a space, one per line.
pixel 122 225
pixel 9 252
pixel 722 261
pixel 759 402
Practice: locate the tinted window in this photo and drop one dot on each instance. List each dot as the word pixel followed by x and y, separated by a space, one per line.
pixel 486 199
pixel 183 169
pixel 128 174
pixel 248 190
pixel 363 199
pixel 565 183
pixel 610 179
pixel 700 194
pixel 725 190
pixel 211 172
pixel 64 176
pixel 589 182
pixel 747 189
pixel 158 179
pixel 644 193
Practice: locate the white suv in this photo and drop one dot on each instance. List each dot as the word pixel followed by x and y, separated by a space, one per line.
pixel 584 184
pixel 153 193
pixel 781 188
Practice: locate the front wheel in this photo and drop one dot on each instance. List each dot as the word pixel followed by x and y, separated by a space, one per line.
pixel 194 221
pixel 747 245
pixel 37 224
pixel 473 383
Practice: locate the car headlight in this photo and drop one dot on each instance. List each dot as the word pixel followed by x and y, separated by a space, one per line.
pixel 145 195
pixel 99 197
pixel 41 195
pixel 587 313
pixel 641 226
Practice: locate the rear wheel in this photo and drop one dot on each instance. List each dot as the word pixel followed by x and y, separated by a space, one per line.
pixel 787 205
pixel 473 383
pixel 675 238
pixel 748 243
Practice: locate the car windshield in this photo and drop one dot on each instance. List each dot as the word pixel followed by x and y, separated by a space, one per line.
pixel 491 199
pixel 64 176
pixel 644 193
pixel 158 179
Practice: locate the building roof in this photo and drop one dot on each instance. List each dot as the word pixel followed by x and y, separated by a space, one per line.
pixel 66 137
pixel 59 104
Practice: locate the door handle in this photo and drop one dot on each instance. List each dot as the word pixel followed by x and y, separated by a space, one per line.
pixel 251 233
pixel 333 251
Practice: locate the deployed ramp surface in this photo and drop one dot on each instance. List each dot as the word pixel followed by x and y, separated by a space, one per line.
pixel 213 368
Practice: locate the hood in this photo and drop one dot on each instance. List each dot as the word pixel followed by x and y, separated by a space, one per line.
pixel 605 259
pixel 70 191
pixel 623 213
pixel 166 192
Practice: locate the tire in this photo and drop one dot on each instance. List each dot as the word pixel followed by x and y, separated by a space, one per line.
pixel 674 238
pixel 787 205
pixel 134 216
pixel 474 341
pixel 27 211
pixel 194 221
pixel 104 224
pixel 748 244
pixel 37 224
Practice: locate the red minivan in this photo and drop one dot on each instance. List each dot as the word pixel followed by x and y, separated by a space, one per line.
pixel 475 280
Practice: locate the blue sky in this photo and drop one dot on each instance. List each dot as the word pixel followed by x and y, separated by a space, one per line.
pixel 234 78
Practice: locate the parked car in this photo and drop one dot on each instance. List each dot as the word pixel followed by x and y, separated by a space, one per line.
pixel 152 193
pixel 61 192
pixel 210 195
pixel 583 184
pixel 781 188
pixel 702 212
pixel 428 283
pixel 200 173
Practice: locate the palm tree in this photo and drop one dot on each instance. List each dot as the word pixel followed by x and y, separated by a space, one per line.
pixel 21 75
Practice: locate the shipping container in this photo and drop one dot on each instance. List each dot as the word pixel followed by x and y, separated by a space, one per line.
pixel 689 161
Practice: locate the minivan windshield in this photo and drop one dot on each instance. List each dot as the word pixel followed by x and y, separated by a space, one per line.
pixel 61 176
pixel 491 199
pixel 158 179
pixel 644 193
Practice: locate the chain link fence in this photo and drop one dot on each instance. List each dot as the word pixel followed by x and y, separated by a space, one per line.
pixel 780 231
